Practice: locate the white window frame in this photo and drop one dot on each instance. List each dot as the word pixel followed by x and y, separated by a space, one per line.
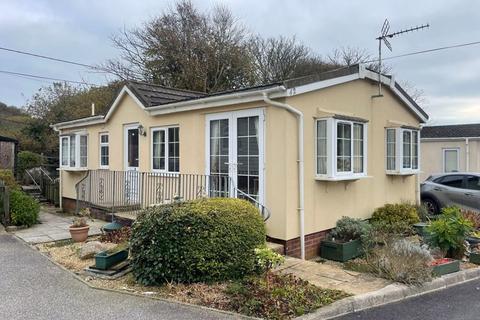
pixel 167 141
pixel 76 138
pixel 332 173
pixel 444 150
pixel 102 145
pixel 399 169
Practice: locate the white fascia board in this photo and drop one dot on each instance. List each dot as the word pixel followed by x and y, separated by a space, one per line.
pixel 125 90
pixel 77 123
pixel 211 102
pixel 317 85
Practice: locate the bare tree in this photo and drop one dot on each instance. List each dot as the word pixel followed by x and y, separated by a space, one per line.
pixel 185 48
pixel 348 56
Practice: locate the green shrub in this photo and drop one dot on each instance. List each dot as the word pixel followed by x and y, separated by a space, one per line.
pixel 28 160
pixel 347 229
pixel 267 259
pixel 448 233
pixel 396 218
pixel 23 209
pixel 202 240
pixel 7 177
pixel 401 261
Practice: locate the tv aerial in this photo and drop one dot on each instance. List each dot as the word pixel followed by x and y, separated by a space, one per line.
pixel 383 38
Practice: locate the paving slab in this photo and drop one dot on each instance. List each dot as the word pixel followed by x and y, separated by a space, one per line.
pixel 331 275
pixel 53 227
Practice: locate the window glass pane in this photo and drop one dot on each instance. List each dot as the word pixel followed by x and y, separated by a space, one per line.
pixel 83 151
pixel 358 152
pixel 414 149
pixel 321 147
pixel 450 160
pixel 104 138
pixel 158 141
pixel 344 139
pixel 391 150
pixel 454 181
pixel 65 152
pixel 72 151
pixel 104 150
pixel 173 150
pixel 473 183
pixel 407 148
pixel 132 147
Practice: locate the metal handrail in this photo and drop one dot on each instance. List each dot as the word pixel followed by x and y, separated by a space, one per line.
pixel 33 179
pixel 45 173
pixel 263 209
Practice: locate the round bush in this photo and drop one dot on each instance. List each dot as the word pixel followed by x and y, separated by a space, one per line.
pixel 197 241
pixel 23 209
pixel 396 217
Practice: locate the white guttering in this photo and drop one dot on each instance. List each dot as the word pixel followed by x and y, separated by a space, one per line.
pixel 78 122
pixel 213 101
pixel 301 178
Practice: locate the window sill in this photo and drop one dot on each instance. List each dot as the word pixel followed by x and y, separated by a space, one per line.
pixel 73 169
pixel 341 178
pixel 402 173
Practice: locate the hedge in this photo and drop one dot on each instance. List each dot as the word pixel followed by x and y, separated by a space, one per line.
pixel 23 209
pixel 197 241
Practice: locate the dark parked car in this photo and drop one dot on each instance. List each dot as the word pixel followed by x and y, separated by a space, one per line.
pixel 443 190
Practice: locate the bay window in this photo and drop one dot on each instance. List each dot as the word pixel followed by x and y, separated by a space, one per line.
pixel 340 149
pixel 402 150
pixel 74 151
pixel 166 149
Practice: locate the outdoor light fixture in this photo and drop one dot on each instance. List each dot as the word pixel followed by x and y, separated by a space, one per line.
pixel 141 131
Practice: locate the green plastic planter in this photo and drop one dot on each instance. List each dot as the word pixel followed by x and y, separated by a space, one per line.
pixel 446 268
pixel 340 251
pixel 421 229
pixel 105 261
pixel 475 258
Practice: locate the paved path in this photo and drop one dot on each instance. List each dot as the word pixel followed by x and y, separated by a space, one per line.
pixel 332 275
pixel 455 303
pixel 53 228
pixel 33 288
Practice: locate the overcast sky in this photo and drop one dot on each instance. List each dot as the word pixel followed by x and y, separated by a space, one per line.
pixel 80 30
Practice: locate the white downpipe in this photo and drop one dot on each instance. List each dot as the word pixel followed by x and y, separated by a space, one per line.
pixel 467 155
pixel 301 184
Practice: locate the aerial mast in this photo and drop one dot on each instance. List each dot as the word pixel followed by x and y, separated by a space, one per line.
pixel 383 38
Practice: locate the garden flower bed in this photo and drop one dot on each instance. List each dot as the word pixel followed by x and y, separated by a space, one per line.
pixel 270 296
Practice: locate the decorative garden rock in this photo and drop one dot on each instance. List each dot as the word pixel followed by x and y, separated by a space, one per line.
pixel 89 249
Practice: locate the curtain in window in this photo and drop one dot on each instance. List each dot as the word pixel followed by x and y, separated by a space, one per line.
pixel 159 149
pixel 407 149
pixel 358 148
pixel 83 151
pixel 344 147
pixel 414 149
pixel 321 147
pixel 72 151
pixel 391 152
pixel 65 152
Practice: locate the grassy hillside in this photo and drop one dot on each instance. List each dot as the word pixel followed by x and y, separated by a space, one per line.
pixel 12 121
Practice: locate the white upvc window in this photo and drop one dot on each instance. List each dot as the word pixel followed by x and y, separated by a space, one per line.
pixel 451 159
pixel 104 151
pixel 402 151
pixel 165 149
pixel 340 149
pixel 74 151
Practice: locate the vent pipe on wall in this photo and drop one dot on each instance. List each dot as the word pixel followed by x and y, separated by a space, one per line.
pixel 93 109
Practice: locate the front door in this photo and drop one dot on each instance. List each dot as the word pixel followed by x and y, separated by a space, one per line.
pixel 235 154
pixel 132 175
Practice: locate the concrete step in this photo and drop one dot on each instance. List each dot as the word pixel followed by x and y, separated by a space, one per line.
pixel 278 248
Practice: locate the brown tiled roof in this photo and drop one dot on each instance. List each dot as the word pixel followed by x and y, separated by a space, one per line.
pixel 451 131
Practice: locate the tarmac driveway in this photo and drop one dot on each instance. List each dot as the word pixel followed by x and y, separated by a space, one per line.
pixel 33 288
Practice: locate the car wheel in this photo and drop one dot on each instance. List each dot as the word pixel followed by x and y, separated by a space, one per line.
pixel 431 206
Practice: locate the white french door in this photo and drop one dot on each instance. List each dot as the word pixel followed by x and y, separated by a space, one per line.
pixel 131 158
pixel 235 153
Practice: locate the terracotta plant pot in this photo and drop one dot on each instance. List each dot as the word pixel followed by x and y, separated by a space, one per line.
pixel 79 234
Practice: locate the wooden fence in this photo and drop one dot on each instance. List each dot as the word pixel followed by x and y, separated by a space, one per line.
pixel 4 204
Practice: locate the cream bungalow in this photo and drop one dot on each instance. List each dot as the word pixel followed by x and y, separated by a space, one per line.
pixel 305 151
